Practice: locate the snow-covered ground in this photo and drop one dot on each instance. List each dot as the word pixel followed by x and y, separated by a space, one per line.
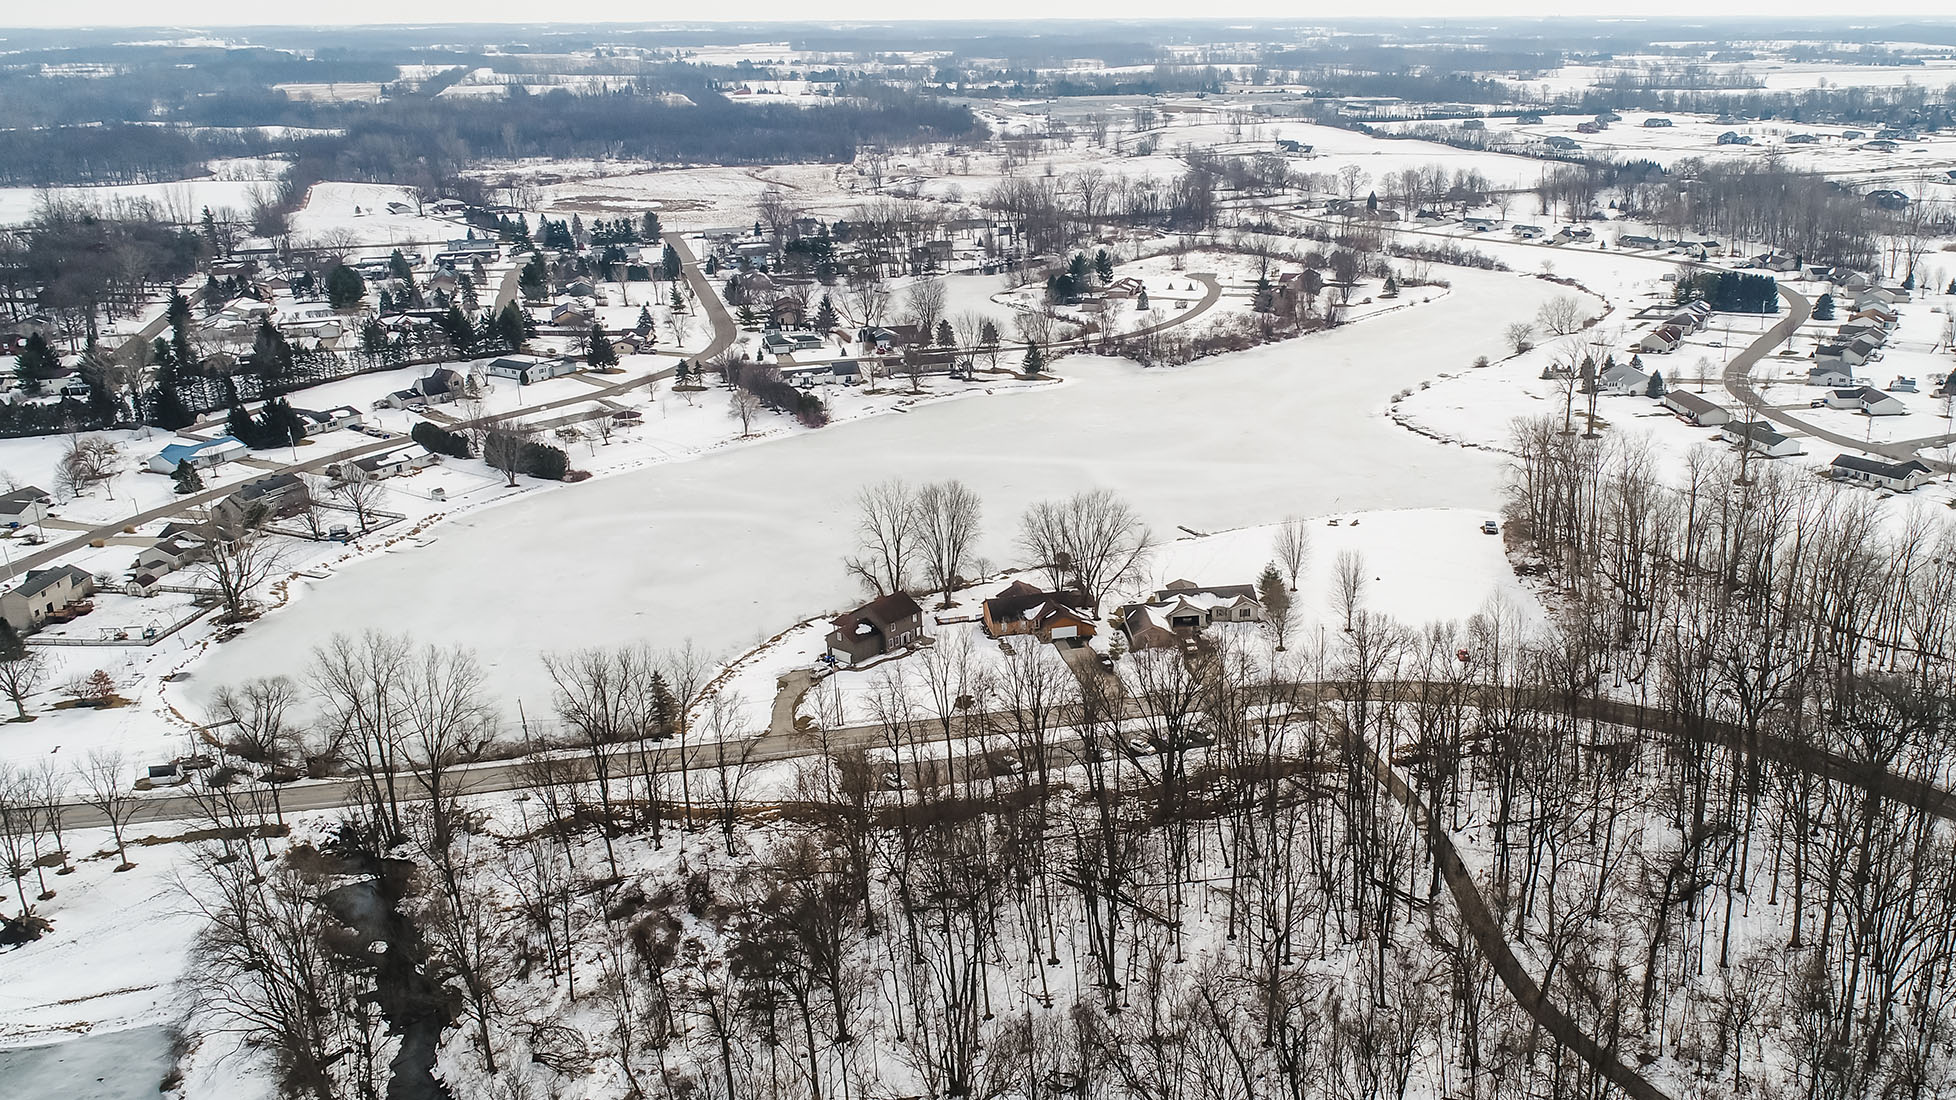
pixel 726 549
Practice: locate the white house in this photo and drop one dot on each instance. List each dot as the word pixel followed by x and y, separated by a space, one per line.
pixel 1830 372
pixel 526 369
pixel 1900 477
pixel 1695 409
pixel 1759 436
pixel 1622 378
pixel 1866 399
pixel 24 506
pixel 202 455
pixel 1663 339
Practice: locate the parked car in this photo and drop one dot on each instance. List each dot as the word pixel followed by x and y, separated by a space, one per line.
pixel 1489 527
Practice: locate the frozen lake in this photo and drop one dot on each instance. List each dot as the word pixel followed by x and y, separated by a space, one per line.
pixel 116 1065
pixel 737 545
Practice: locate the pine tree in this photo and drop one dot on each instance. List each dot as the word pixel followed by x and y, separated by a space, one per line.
pixel 600 354
pixel 211 239
pixel 397 266
pixel 1275 597
pixel 1656 387
pixel 12 648
pixel 945 336
pixel 239 425
pixel 187 478
pixel 825 319
pixel 669 263
pixel 1391 288
pixel 1823 308
pixel 345 289
pixel 645 323
pixel 1103 266
pixel 37 363
pixel 1141 300
pixel 1034 361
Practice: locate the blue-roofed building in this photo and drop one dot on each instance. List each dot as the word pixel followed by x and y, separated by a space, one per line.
pixel 203 455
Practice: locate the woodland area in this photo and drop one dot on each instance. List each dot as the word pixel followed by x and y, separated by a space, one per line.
pixel 1699 808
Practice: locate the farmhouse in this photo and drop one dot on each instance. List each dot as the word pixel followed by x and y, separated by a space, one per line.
pixel 1697 410
pixel 877 627
pixel 1900 477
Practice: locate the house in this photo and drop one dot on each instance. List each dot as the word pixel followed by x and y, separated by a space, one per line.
pixel 1828 372
pixel 1801 139
pixel 1902 384
pixel 1481 225
pixel 439 387
pixel 1527 232
pixel 1876 297
pixel 1147 628
pixel 1882 146
pixel 1656 123
pixel 1530 119
pixel 24 506
pixel 1211 604
pixel 785 313
pixel 581 288
pixel 1286 145
pixel 1589 127
pixel 1557 141
pixel 570 315
pixel 1664 339
pixel 331 420
pixel 1886 318
pixel 448 207
pixel 1022 608
pixel 526 369
pixel 204 455
pixel 1733 137
pixel 1900 477
pixel 274 497
pixel 170 554
pixel 400 460
pixel 1867 399
pixel 1622 378
pixel 1634 240
pixel 877 627
pixel 1887 198
pixel 1694 409
pixel 44 594
pixel 1759 436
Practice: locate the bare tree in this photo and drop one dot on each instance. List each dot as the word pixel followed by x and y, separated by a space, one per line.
pixel 744 406
pixel 925 301
pixel 1348 583
pixel 1293 548
pixel 88 461
pixel 108 790
pixel 22 676
pixel 239 556
pixel 947 515
pixel 1094 536
pixel 1520 336
pixel 1561 315
pixel 255 712
pixel 358 490
pixel 887 532
pixel 358 683
pixel 502 447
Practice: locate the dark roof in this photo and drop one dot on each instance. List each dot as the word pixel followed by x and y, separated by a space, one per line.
pixel 880 612
pixel 1020 597
pixel 266 486
pixel 1898 470
pixel 1190 588
pixel 39 580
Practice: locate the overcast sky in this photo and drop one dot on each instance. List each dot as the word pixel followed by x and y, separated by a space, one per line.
pixel 351 12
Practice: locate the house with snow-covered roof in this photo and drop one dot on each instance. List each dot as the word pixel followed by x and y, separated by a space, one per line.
pixel 1760 437
pixel 1022 608
pixel 1865 399
pixel 1898 476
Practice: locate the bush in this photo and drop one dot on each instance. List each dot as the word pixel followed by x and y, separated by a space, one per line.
pixel 541 460
pixel 441 441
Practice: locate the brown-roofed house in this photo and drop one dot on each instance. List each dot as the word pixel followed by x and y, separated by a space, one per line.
pixel 1022 608
pixel 877 627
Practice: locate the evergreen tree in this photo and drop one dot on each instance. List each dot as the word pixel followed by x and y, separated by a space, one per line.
pixel 12 648
pixel 645 323
pixel 945 336
pixel 166 408
pixel 535 280
pixel 1141 300
pixel 1275 597
pixel 988 334
pixel 36 363
pixel 1034 361
pixel 278 425
pixel 239 425
pixel 208 226
pixel 825 319
pixel 1823 308
pixel 465 286
pixel 650 228
pixel 345 289
pixel 187 478
pixel 1656 388
pixel 397 266
pixel 373 339
pixel 669 263
pixel 1079 269
pixel 271 356
pixel 1391 288
pixel 600 354
pixel 1103 266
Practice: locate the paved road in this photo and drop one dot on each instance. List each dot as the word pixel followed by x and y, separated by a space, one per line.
pixel 724 334
pixel 1738 381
